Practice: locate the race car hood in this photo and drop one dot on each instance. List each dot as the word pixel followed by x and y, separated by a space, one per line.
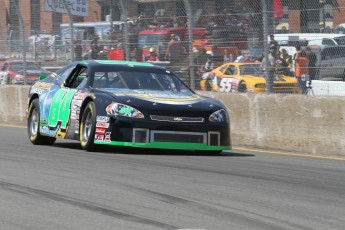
pixel 165 101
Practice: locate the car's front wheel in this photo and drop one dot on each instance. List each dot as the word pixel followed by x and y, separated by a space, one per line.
pixel 87 127
pixel 33 126
pixel 242 87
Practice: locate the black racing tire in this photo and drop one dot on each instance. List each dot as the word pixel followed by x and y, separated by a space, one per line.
pixel 33 126
pixel 87 127
pixel 242 87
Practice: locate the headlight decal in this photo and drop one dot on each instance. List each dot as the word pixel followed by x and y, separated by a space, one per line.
pixel 119 109
pixel 219 116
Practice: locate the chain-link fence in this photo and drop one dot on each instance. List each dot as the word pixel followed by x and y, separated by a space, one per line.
pixel 221 45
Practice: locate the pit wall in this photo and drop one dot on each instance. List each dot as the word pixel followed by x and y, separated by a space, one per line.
pixel 310 124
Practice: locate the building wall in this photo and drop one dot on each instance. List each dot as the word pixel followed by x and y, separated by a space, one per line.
pixel 3 24
pixel 338 14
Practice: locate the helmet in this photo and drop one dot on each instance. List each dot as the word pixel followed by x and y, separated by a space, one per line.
pixel 152 50
pixel 209 53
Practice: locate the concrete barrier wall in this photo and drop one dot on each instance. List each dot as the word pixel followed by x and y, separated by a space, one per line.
pixel 313 124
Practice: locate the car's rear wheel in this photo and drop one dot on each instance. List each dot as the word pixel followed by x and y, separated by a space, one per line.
pixel 242 87
pixel 87 127
pixel 33 126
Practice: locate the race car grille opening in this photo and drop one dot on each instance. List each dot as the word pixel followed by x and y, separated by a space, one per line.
pixel 171 136
pixel 176 119
pixel 141 135
pixel 214 138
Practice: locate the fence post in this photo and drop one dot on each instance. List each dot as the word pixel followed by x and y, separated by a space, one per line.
pixel 190 42
pixel 22 35
pixel 125 29
pixel 267 72
pixel 70 16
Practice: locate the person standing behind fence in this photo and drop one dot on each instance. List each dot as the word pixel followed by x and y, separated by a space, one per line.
pixel 274 45
pixel 301 70
pixel 174 49
pixel 207 76
pixel 78 50
pixel 240 57
pixel 288 60
pixel 51 46
pixel 227 56
pixel 312 63
pixel 94 41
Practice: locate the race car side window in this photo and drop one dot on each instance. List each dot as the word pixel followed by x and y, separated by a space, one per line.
pixel 78 80
pixel 223 68
pixel 231 70
pixel 63 74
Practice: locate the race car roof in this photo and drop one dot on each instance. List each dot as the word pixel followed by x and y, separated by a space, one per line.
pixel 112 62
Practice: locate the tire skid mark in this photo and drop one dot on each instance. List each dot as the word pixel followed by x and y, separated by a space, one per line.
pixel 288 179
pixel 261 221
pixel 82 204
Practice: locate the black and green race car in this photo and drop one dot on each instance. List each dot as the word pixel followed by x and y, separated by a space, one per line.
pixel 120 103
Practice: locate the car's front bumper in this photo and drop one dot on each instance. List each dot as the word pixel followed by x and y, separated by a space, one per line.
pixel 165 135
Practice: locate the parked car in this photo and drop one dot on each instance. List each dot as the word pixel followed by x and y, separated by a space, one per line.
pixel 122 103
pixel 331 62
pixel 12 72
pixel 247 77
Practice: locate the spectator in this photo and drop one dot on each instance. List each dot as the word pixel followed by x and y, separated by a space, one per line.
pixel 240 57
pixel 94 41
pixel 312 63
pixel 301 70
pixel 271 69
pixel 271 61
pixel 51 45
pixel 288 60
pixel 280 64
pixel 227 56
pixel 206 76
pixel 78 50
pixel 295 56
pixel 153 56
pixel 174 49
pixel 200 61
pixel 273 44
pixel 92 54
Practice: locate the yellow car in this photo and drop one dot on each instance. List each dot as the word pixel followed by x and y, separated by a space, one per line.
pixel 247 77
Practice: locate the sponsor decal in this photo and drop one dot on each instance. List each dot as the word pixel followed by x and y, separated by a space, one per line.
pixel 79 95
pixel 42 85
pixel 107 136
pixel 102 125
pixel 160 96
pixel 125 111
pixel 177 119
pixel 100 131
pixel 43 122
pixel 102 118
pixel 99 137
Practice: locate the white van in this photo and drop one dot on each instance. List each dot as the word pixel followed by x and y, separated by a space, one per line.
pixel 328 39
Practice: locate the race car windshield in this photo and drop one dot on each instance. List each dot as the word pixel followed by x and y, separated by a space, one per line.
pixel 139 81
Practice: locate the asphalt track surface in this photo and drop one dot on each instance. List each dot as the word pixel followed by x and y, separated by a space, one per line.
pixel 64 187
